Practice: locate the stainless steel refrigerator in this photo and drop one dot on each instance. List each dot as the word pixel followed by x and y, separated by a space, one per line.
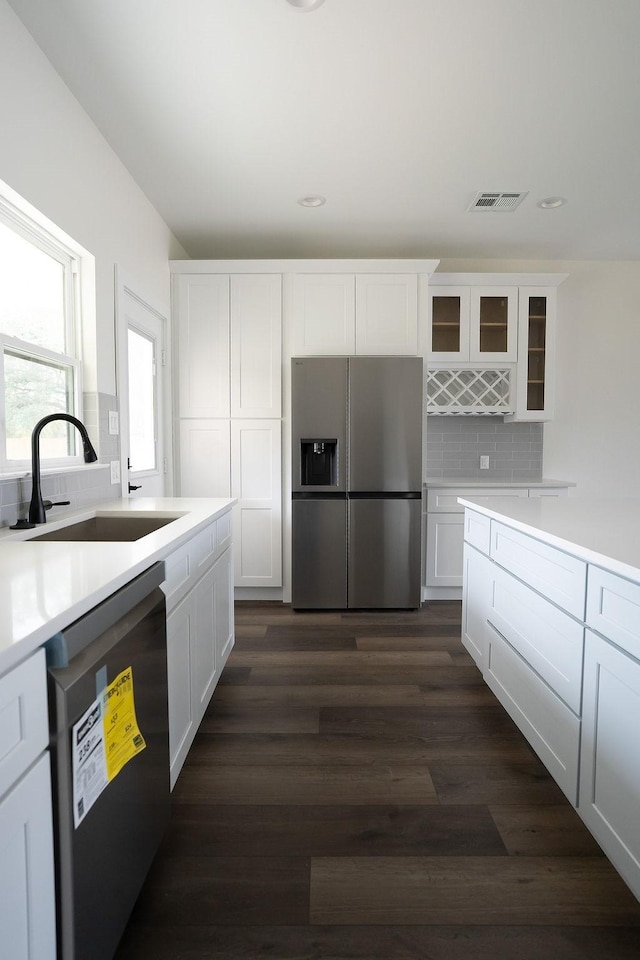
pixel 357 480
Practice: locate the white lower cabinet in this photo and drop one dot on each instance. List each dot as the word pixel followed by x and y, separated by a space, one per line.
pixel 182 722
pixel 558 642
pixel 27 895
pixel 445 534
pixel 27 892
pixel 476 602
pixel 200 632
pixel 548 724
pixel 444 548
pixel 610 758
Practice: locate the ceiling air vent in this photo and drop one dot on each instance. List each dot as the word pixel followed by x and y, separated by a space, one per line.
pixel 496 201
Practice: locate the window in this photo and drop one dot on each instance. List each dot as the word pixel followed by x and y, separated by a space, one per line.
pixel 142 401
pixel 40 372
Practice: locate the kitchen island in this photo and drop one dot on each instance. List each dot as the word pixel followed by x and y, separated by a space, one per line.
pixel 551 615
pixel 45 587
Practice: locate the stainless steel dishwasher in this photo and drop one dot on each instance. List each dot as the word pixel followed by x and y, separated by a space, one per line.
pixel 110 759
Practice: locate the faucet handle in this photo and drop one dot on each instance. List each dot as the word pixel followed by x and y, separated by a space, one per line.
pixel 59 503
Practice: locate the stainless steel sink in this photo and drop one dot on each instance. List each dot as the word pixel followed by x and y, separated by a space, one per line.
pixel 114 529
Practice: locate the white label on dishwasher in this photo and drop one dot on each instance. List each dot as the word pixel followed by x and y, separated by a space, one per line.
pixel 89 763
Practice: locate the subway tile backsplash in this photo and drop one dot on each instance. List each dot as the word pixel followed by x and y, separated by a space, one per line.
pixel 82 487
pixel 454 446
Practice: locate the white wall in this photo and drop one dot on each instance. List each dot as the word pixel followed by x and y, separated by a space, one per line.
pixel 53 156
pixel 595 436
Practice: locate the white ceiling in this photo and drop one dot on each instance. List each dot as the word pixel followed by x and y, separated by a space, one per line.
pixel 398 111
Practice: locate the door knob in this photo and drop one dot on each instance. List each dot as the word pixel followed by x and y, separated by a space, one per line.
pixel 132 486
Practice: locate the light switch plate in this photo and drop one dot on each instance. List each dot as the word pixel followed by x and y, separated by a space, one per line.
pixel 114 423
pixel 115 471
pixel 484 463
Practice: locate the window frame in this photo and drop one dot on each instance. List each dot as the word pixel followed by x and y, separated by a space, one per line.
pixel 71 360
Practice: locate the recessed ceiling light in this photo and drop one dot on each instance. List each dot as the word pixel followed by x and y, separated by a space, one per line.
pixel 305 4
pixel 552 203
pixel 312 201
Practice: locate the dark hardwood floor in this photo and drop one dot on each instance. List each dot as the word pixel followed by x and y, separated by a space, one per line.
pixel 356 792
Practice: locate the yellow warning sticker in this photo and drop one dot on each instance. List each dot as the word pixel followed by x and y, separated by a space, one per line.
pixel 122 737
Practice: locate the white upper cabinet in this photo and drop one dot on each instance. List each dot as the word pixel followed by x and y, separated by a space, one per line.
pixel 342 314
pixel 494 324
pixel 256 337
pixel 474 324
pixel 448 324
pixel 229 336
pixel 387 314
pixel 324 310
pixel 202 340
pixel 536 355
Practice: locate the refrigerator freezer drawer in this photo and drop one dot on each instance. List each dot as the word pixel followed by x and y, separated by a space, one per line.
pixel 319 554
pixel 384 553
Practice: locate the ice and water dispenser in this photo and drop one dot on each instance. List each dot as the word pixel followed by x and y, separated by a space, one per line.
pixel 319 463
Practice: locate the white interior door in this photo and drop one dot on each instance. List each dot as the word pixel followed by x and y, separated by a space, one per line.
pixel 141 365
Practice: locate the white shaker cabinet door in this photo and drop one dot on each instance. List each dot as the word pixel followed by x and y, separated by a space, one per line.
pixel 223 573
pixel 445 540
pixel 476 599
pixel 205 468
pixel 257 516
pixel 27 895
pixel 324 306
pixel 182 722
pixel 202 343
pixel 387 314
pixel 205 669
pixel 610 754
pixel 256 345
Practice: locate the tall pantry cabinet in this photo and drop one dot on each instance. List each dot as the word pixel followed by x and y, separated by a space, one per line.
pixel 228 336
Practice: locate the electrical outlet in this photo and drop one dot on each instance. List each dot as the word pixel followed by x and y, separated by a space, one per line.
pixel 114 423
pixel 484 463
pixel 115 471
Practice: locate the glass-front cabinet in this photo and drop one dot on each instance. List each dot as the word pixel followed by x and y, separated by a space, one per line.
pixel 536 336
pixel 473 324
pixel 449 317
pixel 491 344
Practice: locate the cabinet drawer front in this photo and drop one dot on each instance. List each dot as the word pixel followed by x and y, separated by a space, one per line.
pixel 204 548
pixel 546 637
pixel 477 531
pixel 613 608
pixel 446 500
pixel 550 727
pixel 24 727
pixel 559 576
pixel 177 569
pixel 185 566
pixel 223 532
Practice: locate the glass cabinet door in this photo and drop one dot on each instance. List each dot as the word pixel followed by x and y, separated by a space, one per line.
pixel 494 317
pixel 449 323
pixel 536 351
pixel 536 335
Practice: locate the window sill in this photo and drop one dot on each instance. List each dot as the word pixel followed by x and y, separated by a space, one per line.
pixel 51 471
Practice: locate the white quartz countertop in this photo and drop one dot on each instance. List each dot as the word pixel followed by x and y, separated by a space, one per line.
pixel 45 586
pixel 605 532
pixel 496 484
